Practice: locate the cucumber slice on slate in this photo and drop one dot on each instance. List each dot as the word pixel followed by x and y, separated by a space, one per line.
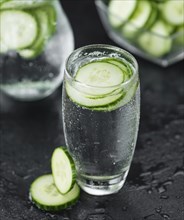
pixel 45 195
pixel 63 170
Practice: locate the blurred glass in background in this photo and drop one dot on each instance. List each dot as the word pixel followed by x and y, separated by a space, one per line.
pixel 152 29
pixel 35 39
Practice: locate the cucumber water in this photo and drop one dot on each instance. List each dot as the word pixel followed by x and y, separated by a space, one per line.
pixel 101 118
pixel 35 39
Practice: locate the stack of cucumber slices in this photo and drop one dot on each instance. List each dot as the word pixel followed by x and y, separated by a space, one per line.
pixel 99 85
pixel 26 26
pixel 156 26
pixel 56 191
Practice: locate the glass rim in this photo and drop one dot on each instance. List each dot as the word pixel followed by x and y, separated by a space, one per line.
pixel 101 46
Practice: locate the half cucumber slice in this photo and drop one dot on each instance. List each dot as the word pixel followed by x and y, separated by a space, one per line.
pixel 18 29
pixel 46 196
pixel 63 170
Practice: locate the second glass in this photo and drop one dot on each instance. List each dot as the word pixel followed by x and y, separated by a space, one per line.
pixel 101 108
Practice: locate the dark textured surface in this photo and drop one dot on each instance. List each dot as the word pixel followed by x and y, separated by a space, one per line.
pixel 29 132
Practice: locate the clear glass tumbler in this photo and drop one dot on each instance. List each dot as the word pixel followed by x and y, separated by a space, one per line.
pixel 101 122
pixel 35 39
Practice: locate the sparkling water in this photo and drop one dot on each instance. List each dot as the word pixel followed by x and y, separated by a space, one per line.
pixel 101 142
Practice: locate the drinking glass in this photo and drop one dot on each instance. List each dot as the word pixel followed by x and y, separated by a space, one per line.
pixel 35 39
pixel 101 139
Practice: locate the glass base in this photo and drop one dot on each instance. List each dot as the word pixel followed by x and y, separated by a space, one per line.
pixel 102 186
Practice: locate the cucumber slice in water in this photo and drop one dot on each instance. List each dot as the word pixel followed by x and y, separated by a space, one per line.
pixel 63 170
pixel 18 29
pixel 125 68
pixel 120 11
pixel 45 195
pixel 156 42
pixel 103 79
pixel 98 76
pixel 173 12
pixel 44 33
pixel 51 12
pixel 82 99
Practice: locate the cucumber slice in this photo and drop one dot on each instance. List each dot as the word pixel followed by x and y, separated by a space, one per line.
pixel 2 1
pixel 51 12
pixel 45 195
pixel 84 100
pixel 138 19
pixel 173 12
pixel 120 11
pixel 63 170
pixel 128 95
pixel 125 68
pixel 179 39
pixel 98 76
pixel 156 42
pixel 101 80
pixel 18 4
pixel 18 29
pixel 43 35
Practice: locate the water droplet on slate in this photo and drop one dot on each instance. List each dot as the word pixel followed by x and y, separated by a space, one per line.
pixel 124 208
pixel 98 217
pixel 158 210
pixel 164 197
pixel 100 210
pixel 148 217
pixel 165 216
pixel 179 171
pixel 177 136
pixel 149 141
pixel 149 191
pixel 161 189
